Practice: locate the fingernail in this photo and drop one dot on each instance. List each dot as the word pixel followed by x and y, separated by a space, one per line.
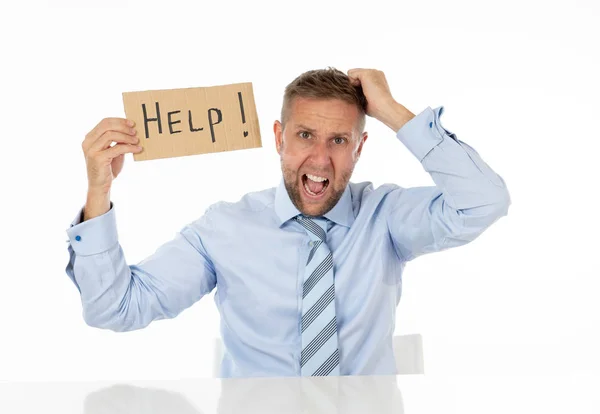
pixel 130 122
pixel 132 131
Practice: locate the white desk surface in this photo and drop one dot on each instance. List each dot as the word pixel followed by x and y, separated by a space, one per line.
pixel 347 395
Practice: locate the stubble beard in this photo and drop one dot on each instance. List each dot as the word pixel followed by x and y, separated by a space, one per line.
pixel 293 183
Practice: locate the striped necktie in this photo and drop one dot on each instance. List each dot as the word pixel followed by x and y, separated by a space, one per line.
pixel 320 353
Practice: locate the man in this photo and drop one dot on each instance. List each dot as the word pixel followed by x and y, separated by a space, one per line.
pixel 308 274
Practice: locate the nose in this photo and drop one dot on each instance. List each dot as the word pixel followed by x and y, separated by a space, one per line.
pixel 320 154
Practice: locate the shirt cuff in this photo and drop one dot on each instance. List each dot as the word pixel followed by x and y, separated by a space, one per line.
pixel 423 132
pixel 95 235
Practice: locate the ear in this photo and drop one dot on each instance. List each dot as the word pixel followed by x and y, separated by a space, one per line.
pixel 363 139
pixel 278 131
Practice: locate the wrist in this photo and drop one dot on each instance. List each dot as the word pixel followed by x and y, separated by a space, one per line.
pixel 395 116
pixel 97 203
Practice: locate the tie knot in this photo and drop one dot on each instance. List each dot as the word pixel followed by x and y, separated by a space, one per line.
pixel 316 227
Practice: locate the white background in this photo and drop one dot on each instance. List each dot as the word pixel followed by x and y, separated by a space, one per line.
pixel 518 80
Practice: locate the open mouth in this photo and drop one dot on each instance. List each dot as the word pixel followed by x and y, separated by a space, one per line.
pixel 314 185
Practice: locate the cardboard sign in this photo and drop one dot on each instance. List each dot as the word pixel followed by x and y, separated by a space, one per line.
pixel 178 122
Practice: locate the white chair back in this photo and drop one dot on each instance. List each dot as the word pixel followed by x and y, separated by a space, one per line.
pixel 408 353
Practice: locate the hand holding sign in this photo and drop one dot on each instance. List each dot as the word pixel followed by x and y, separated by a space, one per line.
pixel 104 161
pixel 177 122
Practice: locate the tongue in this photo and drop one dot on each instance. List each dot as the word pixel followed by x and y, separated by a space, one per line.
pixel 314 186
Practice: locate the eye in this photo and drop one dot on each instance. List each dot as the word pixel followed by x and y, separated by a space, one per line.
pixel 304 136
pixel 339 140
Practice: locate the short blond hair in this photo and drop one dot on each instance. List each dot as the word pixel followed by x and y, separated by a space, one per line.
pixel 329 83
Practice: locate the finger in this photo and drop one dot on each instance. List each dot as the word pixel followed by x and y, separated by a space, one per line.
pixel 109 137
pixel 110 124
pixel 355 75
pixel 356 72
pixel 121 149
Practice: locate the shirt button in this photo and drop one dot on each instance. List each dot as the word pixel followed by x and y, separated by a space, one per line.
pixel 78 238
pixel 311 243
pixel 430 124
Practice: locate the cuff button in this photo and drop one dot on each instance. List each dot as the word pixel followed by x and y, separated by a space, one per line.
pixel 431 125
pixel 78 238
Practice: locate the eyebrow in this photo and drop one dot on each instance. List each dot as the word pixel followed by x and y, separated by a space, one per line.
pixel 304 127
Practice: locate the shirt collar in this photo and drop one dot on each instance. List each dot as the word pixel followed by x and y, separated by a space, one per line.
pixel 342 213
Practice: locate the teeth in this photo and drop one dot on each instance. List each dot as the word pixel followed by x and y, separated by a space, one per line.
pixel 316 178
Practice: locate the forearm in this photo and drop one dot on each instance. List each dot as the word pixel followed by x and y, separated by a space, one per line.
pixel 97 203
pixel 395 116
pixel 469 185
pixel 473 195
pixel 456 168
pixel 95 267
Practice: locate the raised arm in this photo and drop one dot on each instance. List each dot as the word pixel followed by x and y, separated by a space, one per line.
pixel 115 295
pixel 468 195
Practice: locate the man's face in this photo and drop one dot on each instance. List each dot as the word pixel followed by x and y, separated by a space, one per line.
pixel 319 148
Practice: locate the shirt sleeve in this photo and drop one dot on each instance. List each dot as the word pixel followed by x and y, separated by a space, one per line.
pixel 467 198
pixel 122 297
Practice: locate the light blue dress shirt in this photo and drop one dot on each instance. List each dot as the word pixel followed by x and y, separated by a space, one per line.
pixel 254 255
